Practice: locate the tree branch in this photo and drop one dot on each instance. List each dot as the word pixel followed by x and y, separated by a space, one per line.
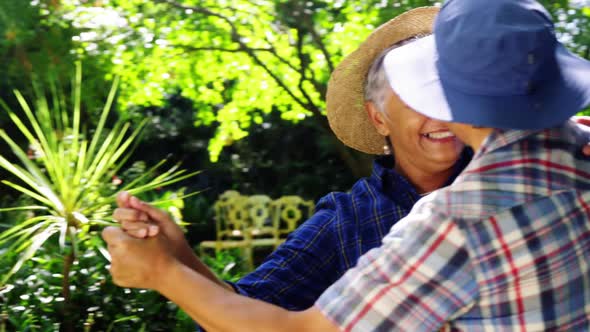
pixel 201 10
pixel 270 50
pixel 321 88
pixel 280 58
pixel 237 38
pixel 310 107
pixel 303 64
pixel 318 41
pixel 220 49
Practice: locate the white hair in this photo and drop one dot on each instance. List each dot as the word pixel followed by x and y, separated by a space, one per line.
pixel 376 84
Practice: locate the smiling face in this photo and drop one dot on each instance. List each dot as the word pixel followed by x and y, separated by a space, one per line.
pixel 419 143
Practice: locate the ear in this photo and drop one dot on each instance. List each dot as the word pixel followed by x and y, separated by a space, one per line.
pixel 377 118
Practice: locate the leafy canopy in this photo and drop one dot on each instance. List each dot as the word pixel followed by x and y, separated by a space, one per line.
pixel 237 58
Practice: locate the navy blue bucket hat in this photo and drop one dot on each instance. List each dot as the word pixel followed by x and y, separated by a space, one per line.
pixel 493 64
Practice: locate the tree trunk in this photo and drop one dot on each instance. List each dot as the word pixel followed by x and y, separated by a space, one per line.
pixel 68 323
pixel 3 319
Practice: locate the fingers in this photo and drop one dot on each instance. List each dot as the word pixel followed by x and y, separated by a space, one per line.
pixel 129 206
pixel 153 213
pixel 147 218
pixel 130 214
pixel 123 199
pixel 135 223
pixel 112 235
pixel 586 150
pixel 153 230
pixel 139 229
pixel 135 229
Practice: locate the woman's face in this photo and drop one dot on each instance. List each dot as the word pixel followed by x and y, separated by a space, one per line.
pixel 419 141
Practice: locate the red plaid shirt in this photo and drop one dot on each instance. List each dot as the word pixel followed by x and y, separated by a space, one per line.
pixel 505 247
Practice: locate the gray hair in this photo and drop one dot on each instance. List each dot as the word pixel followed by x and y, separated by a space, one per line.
pixel 376 84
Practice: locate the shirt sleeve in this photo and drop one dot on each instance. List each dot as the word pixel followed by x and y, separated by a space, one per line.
pixel 299 271
pixel 418 279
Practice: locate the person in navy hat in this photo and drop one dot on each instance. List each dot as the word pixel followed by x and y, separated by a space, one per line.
pixel 506 246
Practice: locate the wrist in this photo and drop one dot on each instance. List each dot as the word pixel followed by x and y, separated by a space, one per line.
pixel 167 275
pixel 185 254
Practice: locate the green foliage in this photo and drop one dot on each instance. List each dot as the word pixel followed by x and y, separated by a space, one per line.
pixel 67 172
pixel 33 302
pixel 234 59
pixel 32 40
pixel 572 21
pixel 279 152
pixel 37 37
pixel 227 265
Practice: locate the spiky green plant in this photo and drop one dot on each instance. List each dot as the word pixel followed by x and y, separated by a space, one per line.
pixel 68 174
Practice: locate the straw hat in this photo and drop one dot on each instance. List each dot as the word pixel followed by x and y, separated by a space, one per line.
pixel 345 97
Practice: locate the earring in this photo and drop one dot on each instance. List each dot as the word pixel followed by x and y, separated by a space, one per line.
pixel 386 149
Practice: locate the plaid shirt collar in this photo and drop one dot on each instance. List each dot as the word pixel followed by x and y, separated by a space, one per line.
pixel 500 138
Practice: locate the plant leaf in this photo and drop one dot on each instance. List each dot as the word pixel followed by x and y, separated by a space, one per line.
pixel 37 241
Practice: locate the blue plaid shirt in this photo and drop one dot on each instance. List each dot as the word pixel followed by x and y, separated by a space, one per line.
pixel 344 227
pixel 506 247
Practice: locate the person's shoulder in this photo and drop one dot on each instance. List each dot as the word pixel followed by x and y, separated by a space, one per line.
pixel 559 146
pixel 437 201
pixel 426 216
pixel 462 201
pixel 363 191
pixel 351 207
pixel 567 135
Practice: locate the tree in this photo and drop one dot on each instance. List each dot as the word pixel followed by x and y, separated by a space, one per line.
pixel 38 42
pixel 238 58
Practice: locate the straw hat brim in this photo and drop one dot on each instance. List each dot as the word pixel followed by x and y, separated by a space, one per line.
pixel 345 96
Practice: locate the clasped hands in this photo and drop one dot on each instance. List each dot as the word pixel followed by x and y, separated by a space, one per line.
pixel 145 246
